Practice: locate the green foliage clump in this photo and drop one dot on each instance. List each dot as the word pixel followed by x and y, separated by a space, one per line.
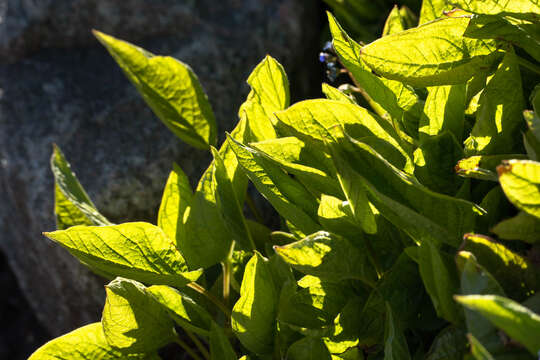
pixel 410 227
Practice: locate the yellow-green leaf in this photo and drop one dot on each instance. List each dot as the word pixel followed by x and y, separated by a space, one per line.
pixel 72 205
pixel 87 342
pixel 133 321
pixel 176 198
pixel 432 9
pixel 483 167
pixel 520 180
pixel 435 53
pixel 170 88
pixel 517 321
pixel 138 250
pixel 253 315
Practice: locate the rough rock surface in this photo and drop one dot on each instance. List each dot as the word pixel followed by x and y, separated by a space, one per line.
pixel 58 85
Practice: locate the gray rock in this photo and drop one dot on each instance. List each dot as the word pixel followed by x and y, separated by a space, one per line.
pixel 58 85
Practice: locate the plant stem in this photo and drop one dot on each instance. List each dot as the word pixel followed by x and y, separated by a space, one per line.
pixel 528 65
pixel 198 288
pixel 198 343
pixel 187 349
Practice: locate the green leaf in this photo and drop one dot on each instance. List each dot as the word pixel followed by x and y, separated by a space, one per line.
pixel 308 165
pixel 527 9
pixel 229 205
pixel 132 320
pixel 182 309
pixel 87 342
pixel 395 343
pixel 308 348
pixel 483 167
pixel 403 201
pixel 444 110
pixel 520 180
pixel 176 198
pixel 170 88
pixel 383 95
pixel 329 257
pixel 269 93
pixel 434 163
pixel 478 350
pixel 253 315
pixel 335 215
pixel 287 196
pixel 208 239
pixel 517 321
pixel 449 344
pixel 332 93
pixel 138 250
pixel 435 53
pixel 518 277
pixel 522 227
pixel 316 120
pixel 441 281
pixel 475 279
pixel 432 9
pixel 394 23
pixel 220 347
pixel 498 118
pixel 72 206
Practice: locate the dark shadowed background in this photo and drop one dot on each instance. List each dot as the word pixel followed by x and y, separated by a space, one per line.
pixel 58 85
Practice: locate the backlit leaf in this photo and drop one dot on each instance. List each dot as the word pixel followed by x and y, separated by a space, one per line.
pixel 132 320
pixel 138 250
pixel 520 180
pixel 483 167
pixel 170 88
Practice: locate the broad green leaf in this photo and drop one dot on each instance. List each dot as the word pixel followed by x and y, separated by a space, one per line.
pixel 138 250
pixel 435 53
pixel 346 324
pixel 517 321
pixel 403 201
pixel 520 180
pixel 432 9
pixel 522 33
pixel 395 343
pixel 253 315
pixel 87 342
pixel 220 347
pixel 528 9
pixel 308 348
pixel 176 198
pixel 498 118
pixel 449 344
pixel 329 257
pixel 444 110
pixel 269 93
pixel 350 354
pixel 522 227
pixel 182 309
pixel 170 88
pixel 308 165
pixel 483 167
pixel 229 205
pixel 435 159
pixel 72 206
pixel 332 93
pixel 478 350
pixel 133 321
pixel 335 215
pixel 287 196
pixel 316 120
pixel 518 277
pixel 441 281
pixel 475 279
pixel 383 95
pixel 208 239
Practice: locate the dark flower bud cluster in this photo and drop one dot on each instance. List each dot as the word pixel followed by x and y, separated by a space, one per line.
pixel 328 56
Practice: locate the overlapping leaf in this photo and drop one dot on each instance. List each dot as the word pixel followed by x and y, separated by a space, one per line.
pixel 520 180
